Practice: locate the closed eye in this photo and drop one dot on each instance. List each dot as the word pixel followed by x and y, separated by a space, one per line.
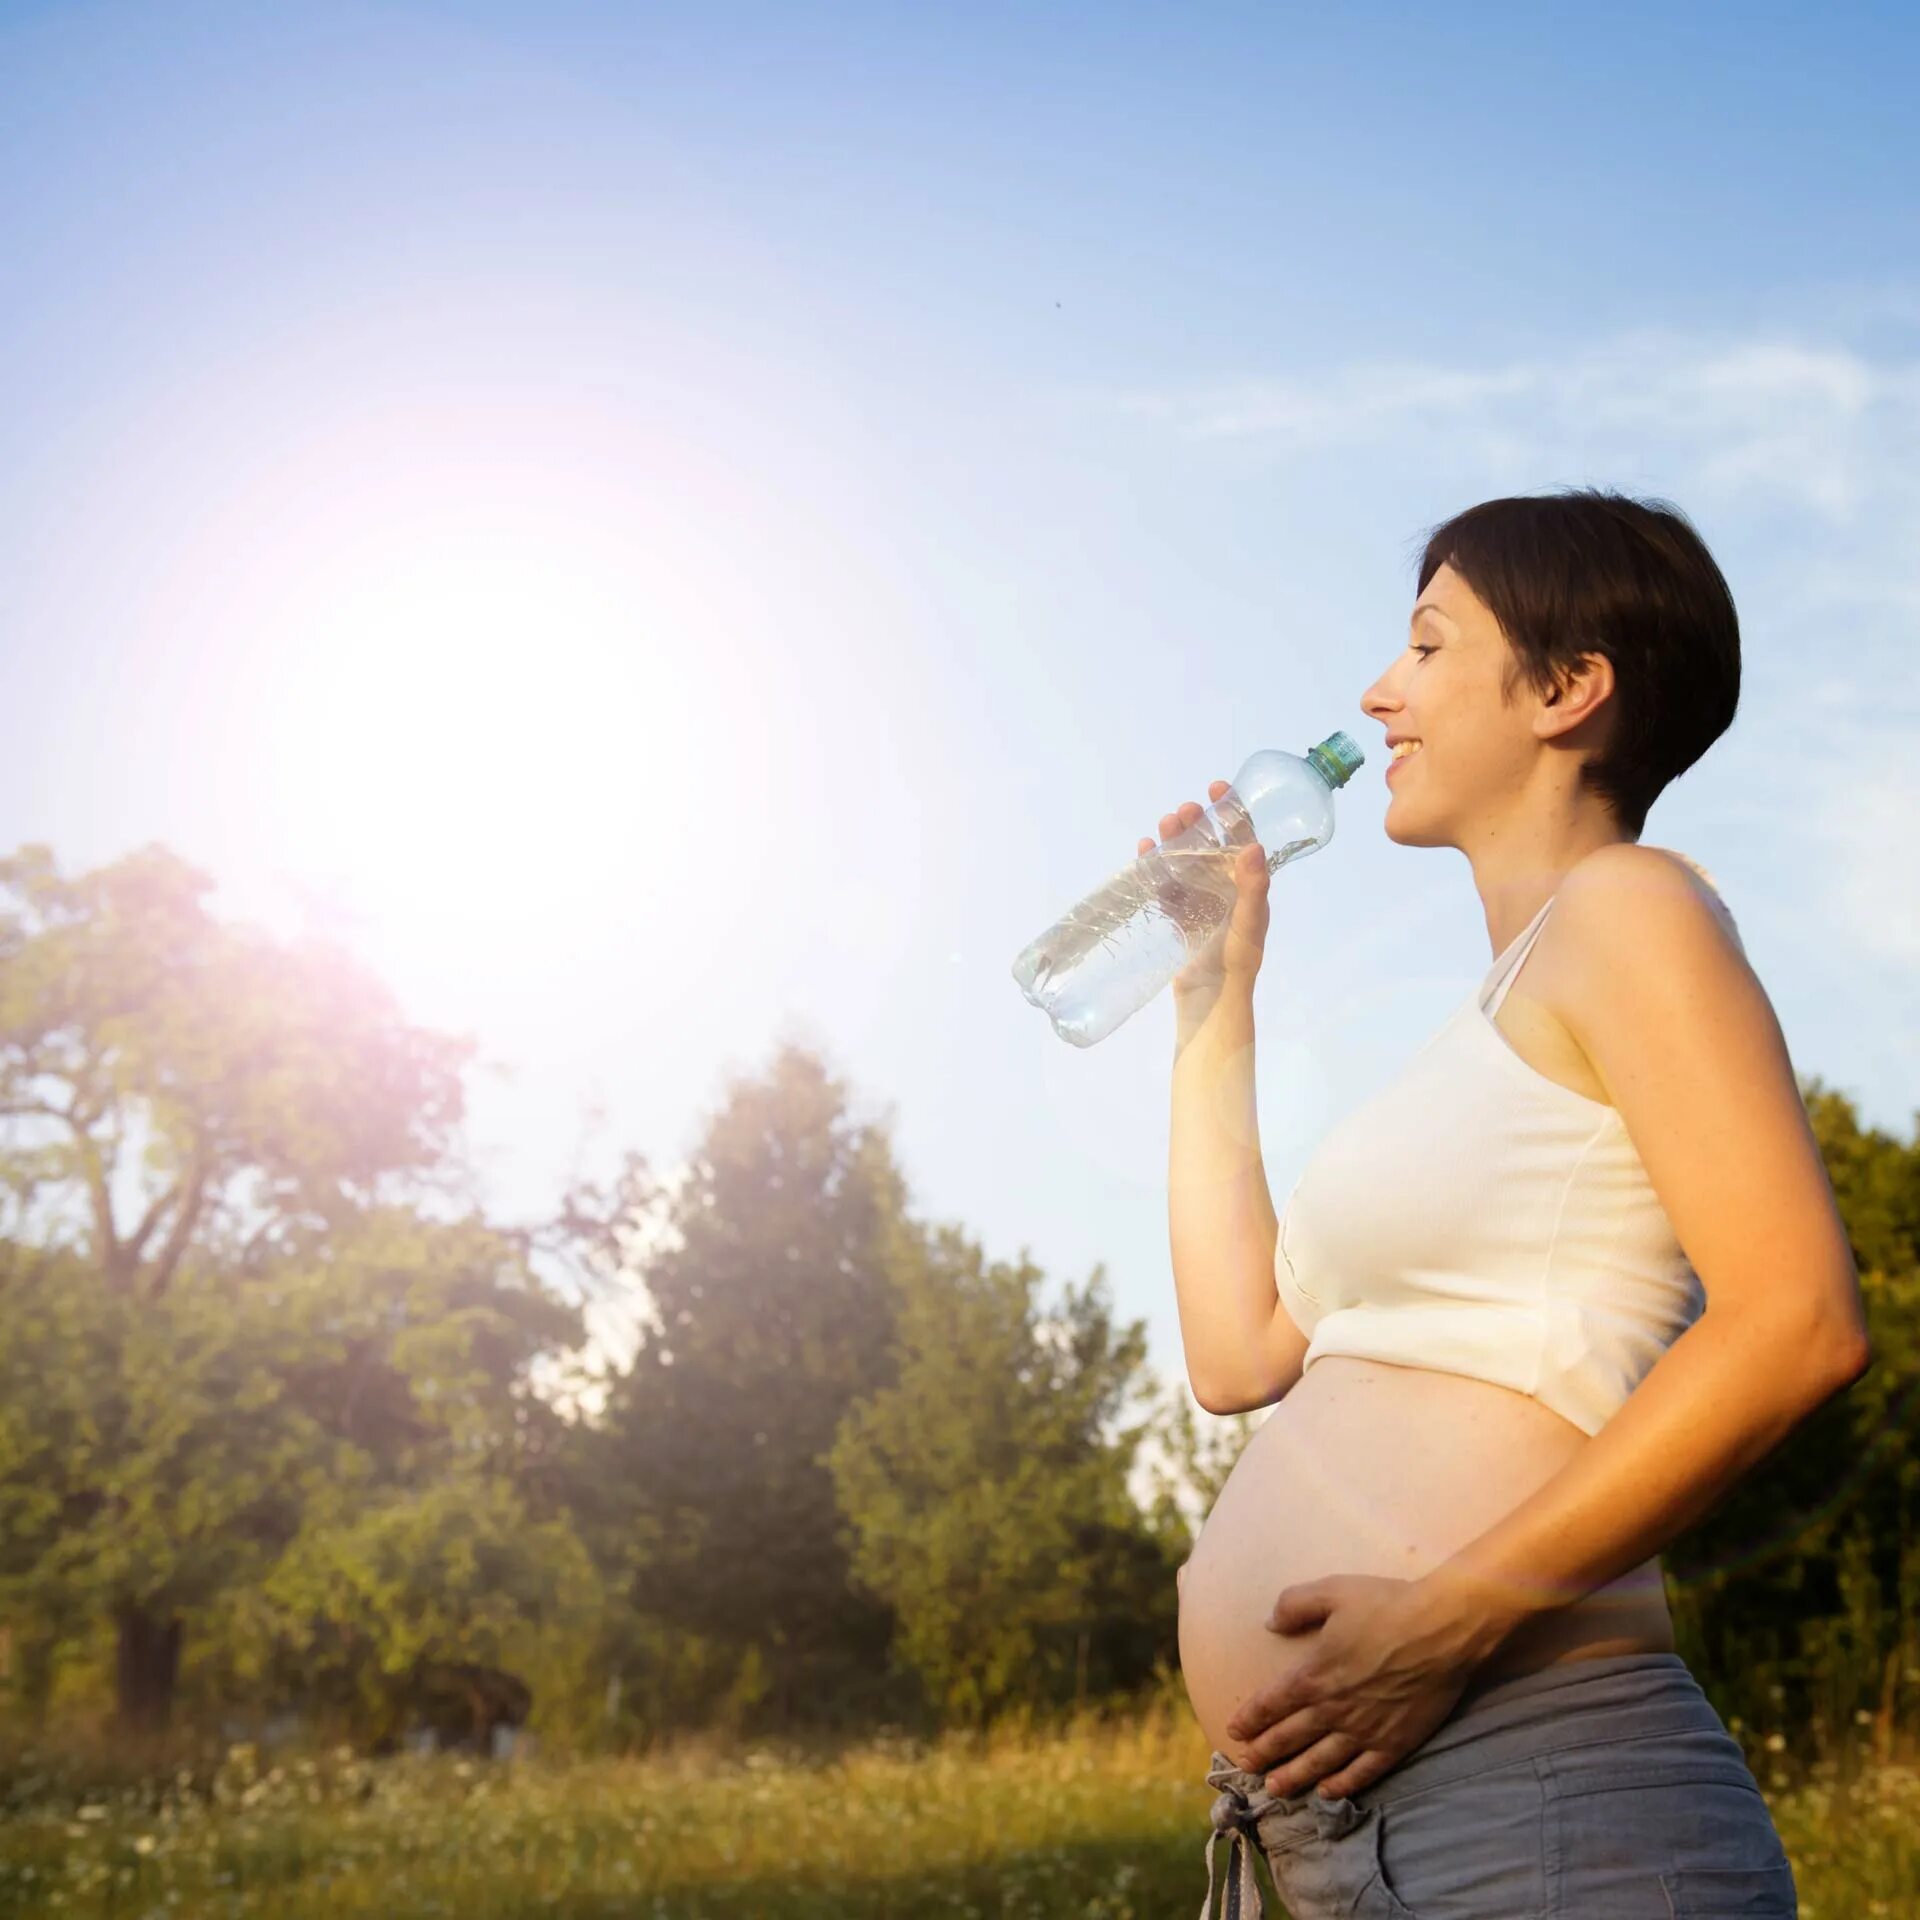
pixel 1423 650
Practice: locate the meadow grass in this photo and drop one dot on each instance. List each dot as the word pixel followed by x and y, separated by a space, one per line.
pixel 1103 1819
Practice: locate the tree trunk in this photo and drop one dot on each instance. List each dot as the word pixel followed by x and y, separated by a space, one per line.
pixel 147 1665
pixel 30 1665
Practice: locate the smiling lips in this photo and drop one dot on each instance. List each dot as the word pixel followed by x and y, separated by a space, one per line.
pixel 1400 757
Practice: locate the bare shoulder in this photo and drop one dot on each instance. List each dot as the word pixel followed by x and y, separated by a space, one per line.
pixel 1650 962
pixel 1656 990
pixel 1646 945
pixel 1634 892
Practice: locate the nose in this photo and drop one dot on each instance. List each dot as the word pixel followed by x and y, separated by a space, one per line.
pixel 1376 703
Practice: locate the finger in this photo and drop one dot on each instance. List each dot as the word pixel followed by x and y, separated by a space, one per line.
pixel 1286 1739
pixel 1372 1765
pixel 1259 1711
pixel 1146 844
pixel 1264 1709
pixel 1336 1750
pixel 1169 824
pixel 1305 1604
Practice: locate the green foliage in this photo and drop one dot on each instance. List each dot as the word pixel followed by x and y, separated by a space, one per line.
pixel 415 1588
pixel 987 1487
pixel 230 1332
pixel 438 1538
pixel 238 1088
pixel 221 1452
pixel 151 1455
pixel 766 1316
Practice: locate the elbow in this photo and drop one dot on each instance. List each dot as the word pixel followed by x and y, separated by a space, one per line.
pixel 1835 1358
pixel 1845 1335
pixel 1210 1400
pixel 1854 1357
pixel 1222 1400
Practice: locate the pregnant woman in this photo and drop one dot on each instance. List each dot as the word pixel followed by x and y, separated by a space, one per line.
pixel 1528 1313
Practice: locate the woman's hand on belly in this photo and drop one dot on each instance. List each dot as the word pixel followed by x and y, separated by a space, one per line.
pixel 1389 1659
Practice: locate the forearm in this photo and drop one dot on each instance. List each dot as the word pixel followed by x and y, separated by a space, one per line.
pixel 1717 1402
pixel 1220 1211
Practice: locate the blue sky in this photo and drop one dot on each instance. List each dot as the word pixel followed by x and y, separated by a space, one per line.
pixel 676 528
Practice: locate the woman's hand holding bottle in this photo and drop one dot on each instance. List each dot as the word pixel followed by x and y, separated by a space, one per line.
pixel 1191 913
pixel 1234 953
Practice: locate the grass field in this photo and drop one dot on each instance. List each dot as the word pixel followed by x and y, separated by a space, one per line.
pixel 1102 1822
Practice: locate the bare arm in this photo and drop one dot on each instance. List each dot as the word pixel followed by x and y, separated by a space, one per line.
pixel 1242 1348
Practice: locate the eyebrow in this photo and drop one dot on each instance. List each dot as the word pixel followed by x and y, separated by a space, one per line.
pixel 1427 606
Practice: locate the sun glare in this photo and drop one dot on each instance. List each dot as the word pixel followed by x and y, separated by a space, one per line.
pixel 478 717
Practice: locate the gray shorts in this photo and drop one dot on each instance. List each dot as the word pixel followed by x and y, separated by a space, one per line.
pixel 1605 1789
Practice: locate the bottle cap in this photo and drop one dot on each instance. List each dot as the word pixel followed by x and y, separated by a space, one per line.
pixel 1338 758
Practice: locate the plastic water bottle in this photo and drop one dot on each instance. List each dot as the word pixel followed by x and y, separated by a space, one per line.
pixel 1106 958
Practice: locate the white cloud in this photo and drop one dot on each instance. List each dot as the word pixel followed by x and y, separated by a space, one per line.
pixel 1819 425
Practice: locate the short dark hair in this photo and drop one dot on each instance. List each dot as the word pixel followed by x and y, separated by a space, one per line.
pixel 1585 570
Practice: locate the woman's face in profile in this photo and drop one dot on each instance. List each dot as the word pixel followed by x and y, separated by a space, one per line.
pixel 1443 690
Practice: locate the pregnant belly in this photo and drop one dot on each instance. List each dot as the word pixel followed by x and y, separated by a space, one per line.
pixel 1370 1468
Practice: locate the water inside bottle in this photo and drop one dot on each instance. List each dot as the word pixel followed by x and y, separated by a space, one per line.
pixel 1162 909
pixel 1166 911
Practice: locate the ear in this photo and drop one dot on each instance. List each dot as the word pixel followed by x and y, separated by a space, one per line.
pixel 1581 695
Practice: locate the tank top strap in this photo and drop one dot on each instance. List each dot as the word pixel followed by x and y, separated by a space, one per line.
pixel 1511 961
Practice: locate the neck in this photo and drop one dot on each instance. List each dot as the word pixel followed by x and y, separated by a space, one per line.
pixel 1519 861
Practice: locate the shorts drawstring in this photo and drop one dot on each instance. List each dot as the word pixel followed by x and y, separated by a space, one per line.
pixel 1235 1816
pixel 1239 1806
pixel 1241 1888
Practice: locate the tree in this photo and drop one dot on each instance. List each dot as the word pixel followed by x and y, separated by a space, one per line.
pixel 987 1487
pixel 170 1086
pixel 169 1082
pixel 425 1598
pixel 441 1545
pixel 159 1458
pixel 766 1315
pixel 150 1457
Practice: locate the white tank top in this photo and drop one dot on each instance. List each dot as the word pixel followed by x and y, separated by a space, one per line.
pixel 1476 1217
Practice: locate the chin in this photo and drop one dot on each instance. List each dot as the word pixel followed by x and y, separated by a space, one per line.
pixel 1407 832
